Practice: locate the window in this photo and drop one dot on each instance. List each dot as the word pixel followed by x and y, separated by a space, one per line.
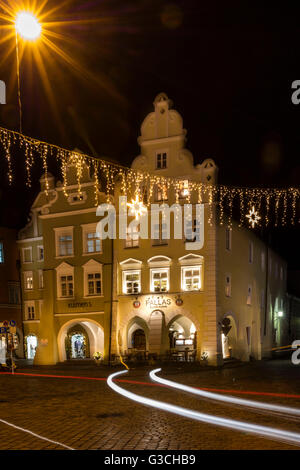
pixel 281 273
pixel 28 280
pixel 276 271
pixel 160 233
pixel 66 286
pixel 191 278
pixel 250 252
pixel 184 189
pixel 91 240
pixel 159 280
pixel 65 280
pixel 161 161
pixel 228 238
pixel 41 279
pixel 76 198
pixel 27 255
pixel 40 253
pixel 65 245
pixel 131 282
pixel 192 230
pixel 228 285
pixel 93 243
pixel 14 293
pixel 132 240
pixel 30 311
pixel 160 194
pixel 64 241
pixel 92 275
pixel 1 253
pixel 94 284
pixel 249 295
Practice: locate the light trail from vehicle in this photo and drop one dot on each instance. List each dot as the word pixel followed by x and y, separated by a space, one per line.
pixel 223 398
pixel 277 434
pixel 38 436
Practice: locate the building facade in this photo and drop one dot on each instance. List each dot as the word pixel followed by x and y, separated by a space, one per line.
pixel 162 296
pixel 10 293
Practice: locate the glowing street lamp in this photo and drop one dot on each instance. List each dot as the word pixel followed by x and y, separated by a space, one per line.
pixel 28 26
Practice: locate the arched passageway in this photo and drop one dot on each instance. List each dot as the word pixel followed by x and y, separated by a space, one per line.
pixel 80 339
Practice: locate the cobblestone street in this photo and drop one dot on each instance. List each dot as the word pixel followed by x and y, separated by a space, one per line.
pixel 87 414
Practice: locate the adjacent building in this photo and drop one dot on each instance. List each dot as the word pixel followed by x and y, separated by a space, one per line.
pixel 162 297
pixel 10 293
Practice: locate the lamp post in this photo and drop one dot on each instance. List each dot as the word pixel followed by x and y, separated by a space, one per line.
pixel 28 28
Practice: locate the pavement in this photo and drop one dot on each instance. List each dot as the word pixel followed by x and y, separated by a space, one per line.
pixel 87 414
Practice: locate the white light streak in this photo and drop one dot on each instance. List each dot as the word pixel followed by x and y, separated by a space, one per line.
pixel 277 434
pixel 227 399
pixel 35 435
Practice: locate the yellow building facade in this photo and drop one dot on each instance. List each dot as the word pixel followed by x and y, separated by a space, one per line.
pixel 156 297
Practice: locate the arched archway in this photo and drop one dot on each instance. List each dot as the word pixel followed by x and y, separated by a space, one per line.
pixel 31 343
pixel 182 337
pixel 229 337
pixel 137 334
pixel 94 333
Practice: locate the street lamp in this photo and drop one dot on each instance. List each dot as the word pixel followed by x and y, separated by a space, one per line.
pixel 29 28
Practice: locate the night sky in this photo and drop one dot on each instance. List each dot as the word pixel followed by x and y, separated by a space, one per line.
pixel 227 66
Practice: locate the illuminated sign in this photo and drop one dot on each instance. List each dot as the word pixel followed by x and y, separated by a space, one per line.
pixel 158 301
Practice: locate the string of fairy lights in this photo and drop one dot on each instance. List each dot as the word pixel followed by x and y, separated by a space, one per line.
pixel 253 207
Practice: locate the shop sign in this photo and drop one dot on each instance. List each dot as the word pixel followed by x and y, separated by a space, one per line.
pixel 158 301
pixel 80 305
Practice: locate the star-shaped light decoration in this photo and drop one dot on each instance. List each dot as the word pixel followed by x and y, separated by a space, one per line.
pixel 136 208
pixel 253 217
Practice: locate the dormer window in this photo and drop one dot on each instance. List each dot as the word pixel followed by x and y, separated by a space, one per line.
pixel 161 160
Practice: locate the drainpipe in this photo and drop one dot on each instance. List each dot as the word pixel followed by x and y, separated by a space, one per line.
pixel 18 264
pixel 111 302
pixel 266 289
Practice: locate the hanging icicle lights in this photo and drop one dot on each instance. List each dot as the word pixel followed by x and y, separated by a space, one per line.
pixel 279 207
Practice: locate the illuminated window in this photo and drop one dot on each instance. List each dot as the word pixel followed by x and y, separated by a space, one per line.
pixel 191 278
pixel 28 280
pixel 94 284
pixel 131 282
pixel 159 280
pixel 66 286
pixel 184 189
pixel 161 161
pixel 160 194
pixel 1 253
pixel 228 285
